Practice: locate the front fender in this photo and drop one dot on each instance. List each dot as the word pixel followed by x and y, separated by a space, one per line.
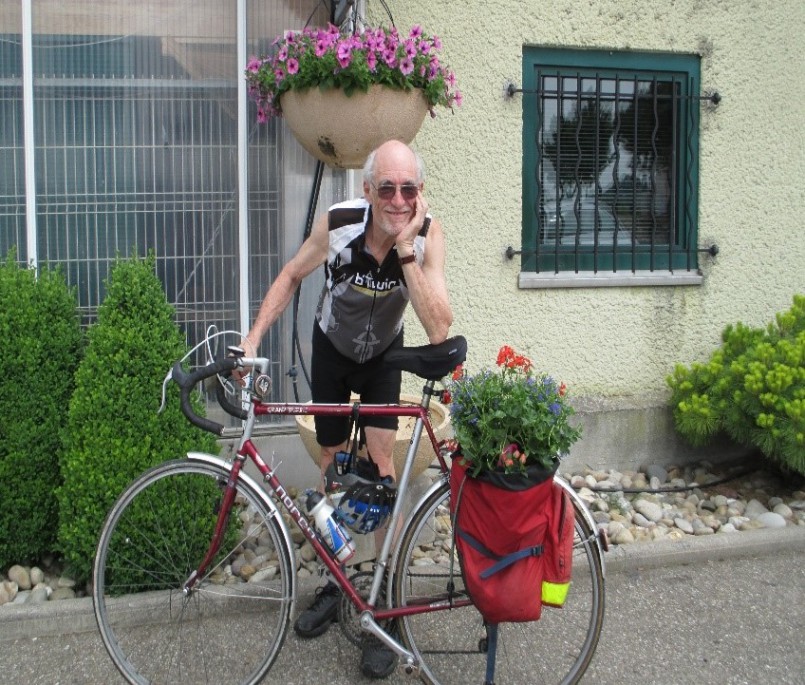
pixel 269 503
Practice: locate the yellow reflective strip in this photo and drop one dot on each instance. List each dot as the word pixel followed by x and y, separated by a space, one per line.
pixel 554 594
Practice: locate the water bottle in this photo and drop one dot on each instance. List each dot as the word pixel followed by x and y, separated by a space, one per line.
pixel 338 539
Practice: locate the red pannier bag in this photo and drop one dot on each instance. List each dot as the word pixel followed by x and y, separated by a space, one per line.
pixel 515 545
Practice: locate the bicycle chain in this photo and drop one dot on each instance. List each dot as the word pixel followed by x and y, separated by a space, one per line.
pixel 348 618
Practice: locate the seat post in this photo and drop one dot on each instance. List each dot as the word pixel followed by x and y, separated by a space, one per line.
pixel 427 392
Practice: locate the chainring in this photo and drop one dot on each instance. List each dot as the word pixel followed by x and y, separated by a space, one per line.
pixel 349 619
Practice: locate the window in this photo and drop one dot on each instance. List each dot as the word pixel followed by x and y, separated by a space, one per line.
pixel 134 148
pixel 610 168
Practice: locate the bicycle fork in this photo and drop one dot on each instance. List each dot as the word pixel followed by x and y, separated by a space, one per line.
pixel 224 507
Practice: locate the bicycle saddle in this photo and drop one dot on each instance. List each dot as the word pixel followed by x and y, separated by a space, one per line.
pixel 430 362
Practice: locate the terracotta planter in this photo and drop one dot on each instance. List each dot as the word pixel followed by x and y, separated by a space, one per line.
pixel 440 420
pixel 341 131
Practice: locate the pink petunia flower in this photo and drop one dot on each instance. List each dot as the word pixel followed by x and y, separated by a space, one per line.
pixel 293 66
pixel 253 64
pixel 344 54
pixel 407 66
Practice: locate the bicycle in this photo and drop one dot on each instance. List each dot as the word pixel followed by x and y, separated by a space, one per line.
pixel 168 608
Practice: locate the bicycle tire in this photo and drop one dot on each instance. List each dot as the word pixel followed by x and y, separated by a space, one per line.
pixel 154 537
pixel 450 644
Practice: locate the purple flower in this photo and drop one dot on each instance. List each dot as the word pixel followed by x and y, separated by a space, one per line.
pixel 416 31
pixel 253 65
pixel 554 409
pixel 279 76
pixel 371 61
pixel 321 47
pixel 407 66
pixel 293 66
pixel 390 58
pixel 262 117
pixel 344 54
pixel 282 55
pixel 410 49
pixel 424 47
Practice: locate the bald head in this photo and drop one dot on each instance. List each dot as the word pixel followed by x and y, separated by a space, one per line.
pixel 393 154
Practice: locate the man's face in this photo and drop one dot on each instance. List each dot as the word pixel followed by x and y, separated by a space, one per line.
pixel 394 191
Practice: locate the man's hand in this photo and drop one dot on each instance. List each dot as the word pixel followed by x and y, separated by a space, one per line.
pixel 248 349
pixel 405 239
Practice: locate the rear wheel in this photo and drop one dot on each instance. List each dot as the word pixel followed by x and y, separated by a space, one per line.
pixel 451 644
pixel 230 626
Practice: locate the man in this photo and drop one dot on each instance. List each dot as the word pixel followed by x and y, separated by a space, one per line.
pixel 379 252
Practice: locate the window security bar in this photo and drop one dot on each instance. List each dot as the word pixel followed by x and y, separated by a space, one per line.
pixel 511 253
pixel 510 90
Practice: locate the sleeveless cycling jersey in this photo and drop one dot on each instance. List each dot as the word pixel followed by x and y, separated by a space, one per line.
pixel 362 303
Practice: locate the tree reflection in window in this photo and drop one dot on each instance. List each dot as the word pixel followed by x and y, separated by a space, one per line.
pixel 607 160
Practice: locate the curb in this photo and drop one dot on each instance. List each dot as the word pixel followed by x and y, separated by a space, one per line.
pixel 68 616
pixel 693 549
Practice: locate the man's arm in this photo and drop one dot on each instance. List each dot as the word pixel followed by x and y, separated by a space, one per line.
pixel 311 255
pixel 427 286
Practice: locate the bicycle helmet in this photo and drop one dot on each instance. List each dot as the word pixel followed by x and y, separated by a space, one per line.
pixel 366 506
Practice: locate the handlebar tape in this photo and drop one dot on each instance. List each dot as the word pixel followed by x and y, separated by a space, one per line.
pixel 187 381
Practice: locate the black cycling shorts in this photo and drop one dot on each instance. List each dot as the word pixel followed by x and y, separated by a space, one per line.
pixel 334 377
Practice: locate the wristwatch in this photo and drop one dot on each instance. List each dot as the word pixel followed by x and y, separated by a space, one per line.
pixel 407 260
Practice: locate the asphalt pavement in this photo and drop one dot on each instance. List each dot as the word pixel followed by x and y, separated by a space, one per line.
pixel 725 609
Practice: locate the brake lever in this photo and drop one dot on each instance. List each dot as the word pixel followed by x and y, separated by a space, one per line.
pixel 168 379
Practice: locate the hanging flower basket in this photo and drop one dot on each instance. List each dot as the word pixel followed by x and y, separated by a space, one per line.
pixel 344 94
pixel 342 130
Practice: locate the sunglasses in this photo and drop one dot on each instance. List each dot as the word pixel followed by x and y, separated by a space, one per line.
pixel 387 191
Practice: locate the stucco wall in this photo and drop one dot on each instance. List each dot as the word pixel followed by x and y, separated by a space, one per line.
pixel 618 342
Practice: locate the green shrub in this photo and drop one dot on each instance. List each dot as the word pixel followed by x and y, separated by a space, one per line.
pixel 40 339
pixel 114 431
pixel 753 388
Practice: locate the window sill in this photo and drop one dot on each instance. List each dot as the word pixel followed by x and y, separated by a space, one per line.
pixel 564 279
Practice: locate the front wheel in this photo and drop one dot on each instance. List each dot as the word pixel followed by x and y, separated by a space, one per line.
pixel 451 644
pixel 154 538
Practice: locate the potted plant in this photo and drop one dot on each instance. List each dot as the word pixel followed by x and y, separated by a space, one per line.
pixel 512 423
pixel 344 94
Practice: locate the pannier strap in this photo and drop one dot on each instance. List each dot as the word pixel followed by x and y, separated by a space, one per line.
pixel 502 561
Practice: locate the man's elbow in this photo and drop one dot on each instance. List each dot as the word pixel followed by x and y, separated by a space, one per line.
pixel 440 332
